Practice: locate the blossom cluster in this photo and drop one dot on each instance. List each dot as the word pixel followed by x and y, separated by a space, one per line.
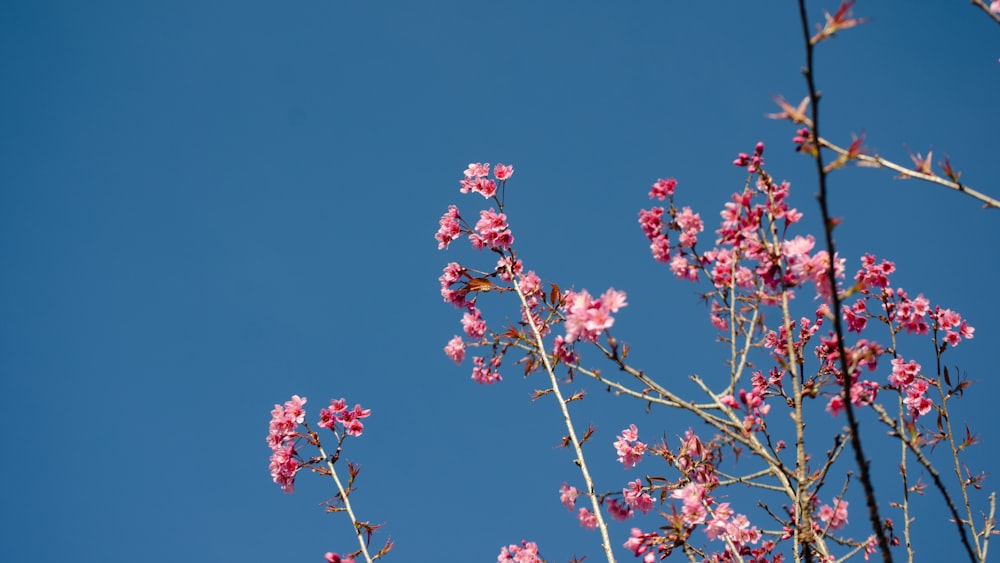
pixel 585 317
pixel 282 439
pixel 630 449
pixel 527 552
pixel 338 413
pixel 284 433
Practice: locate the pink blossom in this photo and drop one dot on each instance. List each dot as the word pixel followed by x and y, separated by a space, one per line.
pixel 836 517
pixel 482 186
pixel 619 512
pixel 683 270
pixel 284 466
pixel 455 349
pixel 630 449
pixel 872 274
pixel 449 229
pixel 477 169
pixel 635 497
pixel 948 321
pixel 751 163
pixel 527 552
pixel 690 225
pixel 502 172
pixel 662 188
pixel 587 519
pixel 693 497
pixel 855 316
pixel 835 405
pixel 660 247
pixel 562 352
pixel 483 374
pixel 903 372
pixel 508 268
pixel 350 419
pixel 995 6
pixel 651 222
pixel 567 496
pixel 473 323
pixel 586 317
pixel 530 283
pixel 640 543
pixel 283 431
pixel 915 400
pixel 334 558
pixel 491 231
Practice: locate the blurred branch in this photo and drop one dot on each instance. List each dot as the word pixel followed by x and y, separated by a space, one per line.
pixel 985 8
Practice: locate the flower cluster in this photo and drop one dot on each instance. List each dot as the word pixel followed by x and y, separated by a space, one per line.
pixel 629 448
pixel 350 419
pixel 836 516
pixel 686 222
pixel 587 317
pixel 751 163
pixel 527 552
pixel 281 438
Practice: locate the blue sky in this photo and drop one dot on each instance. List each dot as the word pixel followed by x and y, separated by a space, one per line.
pixel 208 207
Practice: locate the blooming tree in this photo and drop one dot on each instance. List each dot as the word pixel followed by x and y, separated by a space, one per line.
pixel 809 334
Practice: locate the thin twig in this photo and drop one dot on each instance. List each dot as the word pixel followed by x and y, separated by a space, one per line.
pixel 347 503
pixel 577 447
pixel 879 162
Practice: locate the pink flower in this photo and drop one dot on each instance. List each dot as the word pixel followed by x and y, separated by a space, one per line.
pixel 587 519
pixel 663 188
pixel 836 517
pixel 693 497
pixel 527 552
pixel 349 419
pixel 660 247
pixel 281 439
pixel 586 317
pixel 530 283
pixel 683 270
pixel 477 169
pixel 639 543
pixel 491 231
pixel 903 372
pixel 567 496
pixel 284 466
pixel 651 222
pixel 455 349
pixel 995 6
pixel 473 323
pixel 508 268
pixel 450 227
pixel 872 274
pixel 637 498
pixel 690 224
pixel 483 374
pixel 503 173
pixel 630 449
pixel 334 558
pixel 619 512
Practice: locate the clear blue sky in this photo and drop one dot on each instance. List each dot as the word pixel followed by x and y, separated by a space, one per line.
pixel 206 207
